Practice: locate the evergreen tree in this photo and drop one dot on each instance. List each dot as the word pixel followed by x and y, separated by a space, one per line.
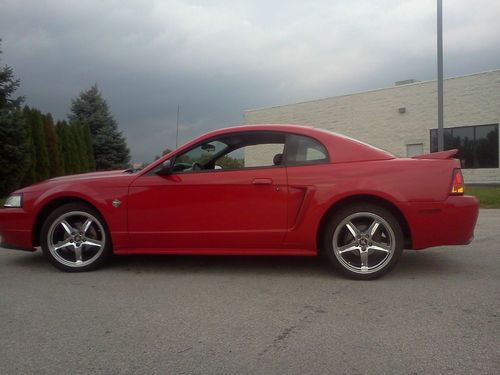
pixel 41 162
pixel 8 86
pixel 61 140
pixel 29 176
pixel 83 165
pixel 87 139
pixel 74 156
pixel 14 151
pixel 52 143
pixel 85 154
pixel 80 156
pixel 13 135
pixel 109 145
pixel 68 148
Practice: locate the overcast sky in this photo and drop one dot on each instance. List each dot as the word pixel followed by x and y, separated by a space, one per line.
pixel 218 58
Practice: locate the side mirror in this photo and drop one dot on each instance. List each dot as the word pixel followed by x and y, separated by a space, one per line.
pixel 166 169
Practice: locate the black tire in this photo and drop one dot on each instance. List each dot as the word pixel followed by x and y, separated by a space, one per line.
pixel 80 246
pixel 348 245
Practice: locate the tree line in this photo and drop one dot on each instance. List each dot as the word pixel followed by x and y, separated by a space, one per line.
pixel 55 149
pixel 33 147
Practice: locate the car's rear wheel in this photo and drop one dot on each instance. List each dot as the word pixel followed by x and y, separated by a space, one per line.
pixel 74 238
pixel 363 241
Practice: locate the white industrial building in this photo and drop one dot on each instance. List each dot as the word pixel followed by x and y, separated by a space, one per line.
pixel 403 119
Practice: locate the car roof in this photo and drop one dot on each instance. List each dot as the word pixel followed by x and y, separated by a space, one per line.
pixel 340 148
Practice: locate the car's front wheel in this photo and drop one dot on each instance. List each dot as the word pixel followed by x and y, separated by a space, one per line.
pixel 363 241
pixel 74 238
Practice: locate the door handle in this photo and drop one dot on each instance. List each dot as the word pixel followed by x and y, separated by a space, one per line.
pixel 262 181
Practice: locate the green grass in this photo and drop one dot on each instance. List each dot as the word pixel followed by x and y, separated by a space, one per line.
pixel 489 196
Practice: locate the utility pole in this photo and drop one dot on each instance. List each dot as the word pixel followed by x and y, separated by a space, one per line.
pixel 440 74
pixel 177 131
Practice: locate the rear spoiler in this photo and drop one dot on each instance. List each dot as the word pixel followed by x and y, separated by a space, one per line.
pixel 441 155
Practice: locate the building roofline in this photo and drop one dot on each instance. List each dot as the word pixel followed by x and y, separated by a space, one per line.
pixel 371 90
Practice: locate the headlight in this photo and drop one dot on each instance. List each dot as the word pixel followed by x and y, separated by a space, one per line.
pixel 14 201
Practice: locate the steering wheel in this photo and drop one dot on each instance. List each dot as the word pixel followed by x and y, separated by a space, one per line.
pixel 195 166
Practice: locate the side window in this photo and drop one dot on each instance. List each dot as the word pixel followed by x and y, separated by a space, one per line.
pixel 234 151
pixel 305 150
pixel 255 150
pixel 263 155
pixel 197 157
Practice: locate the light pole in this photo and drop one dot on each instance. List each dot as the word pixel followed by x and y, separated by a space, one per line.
pixel 440 74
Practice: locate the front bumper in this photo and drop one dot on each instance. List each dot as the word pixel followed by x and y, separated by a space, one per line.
pixel 15 229
pixel 450 222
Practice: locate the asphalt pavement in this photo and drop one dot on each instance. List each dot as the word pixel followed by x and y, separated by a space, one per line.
pixel 437 312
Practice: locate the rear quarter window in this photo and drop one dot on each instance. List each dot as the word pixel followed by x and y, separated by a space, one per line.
pixel 305 150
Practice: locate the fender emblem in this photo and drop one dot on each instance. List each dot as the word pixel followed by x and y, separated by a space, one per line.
pixel 116 203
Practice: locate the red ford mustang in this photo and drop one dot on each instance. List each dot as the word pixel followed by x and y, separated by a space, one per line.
pixel 251 190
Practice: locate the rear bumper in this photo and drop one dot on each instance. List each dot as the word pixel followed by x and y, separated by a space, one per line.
pixel 450 222
pixel 15 229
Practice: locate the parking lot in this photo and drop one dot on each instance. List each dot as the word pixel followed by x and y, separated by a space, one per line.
pixel 437 312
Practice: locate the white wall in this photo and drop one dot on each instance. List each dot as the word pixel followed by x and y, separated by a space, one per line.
pixel 374 116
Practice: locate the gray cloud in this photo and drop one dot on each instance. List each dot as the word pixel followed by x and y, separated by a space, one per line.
pixel 217 58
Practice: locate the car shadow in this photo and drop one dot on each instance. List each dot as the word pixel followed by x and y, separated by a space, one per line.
pixel 219 264
pixel 412 264
pixel 34 261
pixel 186 264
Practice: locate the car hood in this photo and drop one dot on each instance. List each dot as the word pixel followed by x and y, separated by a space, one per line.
pixel 78 179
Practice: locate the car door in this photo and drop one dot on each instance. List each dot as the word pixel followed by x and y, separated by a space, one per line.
pixel 206 209
pixel 307 162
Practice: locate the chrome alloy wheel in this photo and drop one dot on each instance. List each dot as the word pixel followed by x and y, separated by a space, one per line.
pixel 364 242
pixel 76 239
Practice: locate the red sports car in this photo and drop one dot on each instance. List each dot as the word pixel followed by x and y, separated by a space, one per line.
pixel 251 190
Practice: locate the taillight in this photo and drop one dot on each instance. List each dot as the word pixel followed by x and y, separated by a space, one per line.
pixel 457 185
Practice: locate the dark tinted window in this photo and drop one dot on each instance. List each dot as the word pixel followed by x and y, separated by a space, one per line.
pixel 477 145
pixel 487 146
pixel 463 139
pixel 305 150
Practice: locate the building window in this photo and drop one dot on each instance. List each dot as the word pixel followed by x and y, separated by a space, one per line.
pixel 477 145
pixel 414 149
